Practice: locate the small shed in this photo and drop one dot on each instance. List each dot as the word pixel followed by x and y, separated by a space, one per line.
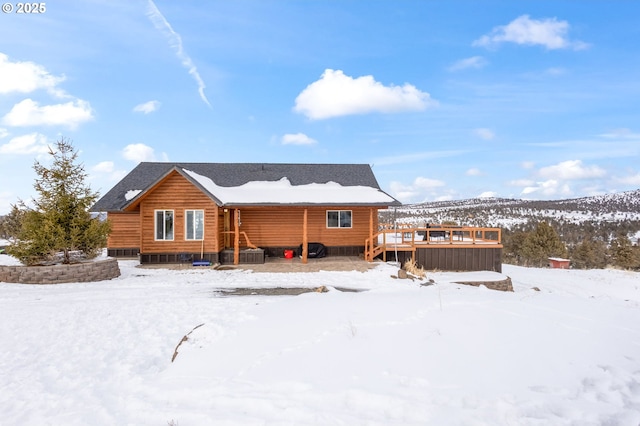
pixel 559 263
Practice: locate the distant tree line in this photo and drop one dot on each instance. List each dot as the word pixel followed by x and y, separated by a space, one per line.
pixel 533 247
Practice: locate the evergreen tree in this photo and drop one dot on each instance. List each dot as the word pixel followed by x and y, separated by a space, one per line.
pixel 622 253
pixel 589 254
pixel 513 243
pixel 60 220
pixel 11 223
pixel 543 242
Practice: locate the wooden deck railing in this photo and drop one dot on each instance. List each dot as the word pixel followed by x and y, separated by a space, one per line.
pixel 407 238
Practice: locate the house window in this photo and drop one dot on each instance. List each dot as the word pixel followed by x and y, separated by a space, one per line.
pixel 338 218
pixel 194 224
pixel 164 225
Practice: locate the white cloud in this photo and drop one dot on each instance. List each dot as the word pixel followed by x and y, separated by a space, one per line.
pixel 337 94
pixel 551 187
pixel 570 170
pixel 474 172
pixel 427 183
pixel 147 107
pixel 297 139
pixel 488 194
pixel 175 41
pixel 3 133
pixel 138 152
pixel 33 143
pixel 420 189
pixel 30 113
pixel 621 134
pixel 107 169
pixel 484 133
pixel 104 167
pixel 557 178
pixel 632 180
pixel 25 77
pixel 472 62
pixel 549 33
pixel 527 165
pixel 447 197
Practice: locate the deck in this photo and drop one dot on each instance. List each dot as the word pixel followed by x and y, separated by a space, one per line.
pixel 410 239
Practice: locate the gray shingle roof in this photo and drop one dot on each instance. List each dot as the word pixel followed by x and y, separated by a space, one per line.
pixel 146 174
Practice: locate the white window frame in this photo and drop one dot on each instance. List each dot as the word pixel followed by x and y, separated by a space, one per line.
pixel 164 221
pixel 340 225
pixel 191 236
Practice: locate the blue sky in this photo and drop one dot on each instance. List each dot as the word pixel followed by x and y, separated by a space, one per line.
pixel 446 100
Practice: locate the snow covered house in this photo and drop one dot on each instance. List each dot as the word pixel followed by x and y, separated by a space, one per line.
pixel 226 212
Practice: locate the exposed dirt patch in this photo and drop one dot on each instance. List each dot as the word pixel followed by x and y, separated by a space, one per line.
pixel 280 291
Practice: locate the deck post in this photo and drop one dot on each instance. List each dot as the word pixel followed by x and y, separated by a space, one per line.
pixel 305 238
pixel 384 244
pixel 236 237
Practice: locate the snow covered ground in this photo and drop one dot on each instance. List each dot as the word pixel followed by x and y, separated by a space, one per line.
pixel 399 353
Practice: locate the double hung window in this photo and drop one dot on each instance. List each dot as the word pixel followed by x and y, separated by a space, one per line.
pixel 194 225
pixel 164 225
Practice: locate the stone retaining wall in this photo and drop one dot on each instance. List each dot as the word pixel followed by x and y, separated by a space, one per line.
pixel 58 274
pixel 504 285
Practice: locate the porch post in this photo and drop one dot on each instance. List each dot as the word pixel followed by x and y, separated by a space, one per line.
pixel 236 237
pixel 305 238
pixel 371 245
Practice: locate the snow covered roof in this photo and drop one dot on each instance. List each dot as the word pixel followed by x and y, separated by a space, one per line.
pixel 231 184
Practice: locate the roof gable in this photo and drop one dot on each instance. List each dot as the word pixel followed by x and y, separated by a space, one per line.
pixel 256 184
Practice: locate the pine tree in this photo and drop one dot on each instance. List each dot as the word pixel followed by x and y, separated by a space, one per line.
pixel 543 242
pixel 622 253
pixel 60 220
pixel 11 223
pixel 513 243
pixel 589 254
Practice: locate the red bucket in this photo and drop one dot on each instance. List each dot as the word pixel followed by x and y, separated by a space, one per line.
pixel 288 254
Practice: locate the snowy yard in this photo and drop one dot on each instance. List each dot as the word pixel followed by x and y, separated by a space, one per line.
pixel 399 353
